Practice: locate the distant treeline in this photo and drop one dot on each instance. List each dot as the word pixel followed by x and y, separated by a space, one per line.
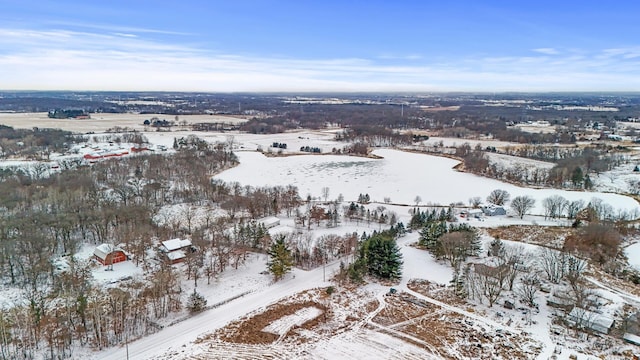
pixel 67 113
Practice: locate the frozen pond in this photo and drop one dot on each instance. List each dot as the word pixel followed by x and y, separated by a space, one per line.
pixel 633 254
pixel 400 176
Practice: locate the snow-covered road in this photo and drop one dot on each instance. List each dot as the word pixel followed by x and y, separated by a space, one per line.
pixel 185 332
pixel 418 264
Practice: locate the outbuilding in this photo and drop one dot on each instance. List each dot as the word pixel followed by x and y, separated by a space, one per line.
pixel 175 249
pixel 590 320
pixel 631 339
pixel 493 210
pixel 269 221
pixel 107 254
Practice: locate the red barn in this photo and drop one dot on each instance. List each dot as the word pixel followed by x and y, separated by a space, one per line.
pixel 108 254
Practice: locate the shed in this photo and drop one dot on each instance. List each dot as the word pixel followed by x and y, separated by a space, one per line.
pixel 508 305
pixel 559 301
pixel 631 339
pixel 269 221
pixel 590 320
pixel 107 254
pixel 472 213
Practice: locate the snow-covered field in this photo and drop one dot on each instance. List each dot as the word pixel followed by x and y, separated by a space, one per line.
pixel 400 176
pixel 509 161
pixel 453 142
pixel 103 121
pixel 633 254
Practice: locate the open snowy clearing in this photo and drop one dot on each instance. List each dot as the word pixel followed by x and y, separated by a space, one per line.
pixel 509 161
pixel 633 253
pixel 284 324
pixel 453 142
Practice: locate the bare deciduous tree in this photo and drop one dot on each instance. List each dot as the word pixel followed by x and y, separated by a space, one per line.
pixel 554 206
pixel 417 200
pixel 514 257
pixel 522 204
pixel 325 193
pixel 573 207
pixel 475 202
pixel 553 263
pixel 485 281
pixel 528 288
pixel 600 242
pixel 453 247
pixel 498 197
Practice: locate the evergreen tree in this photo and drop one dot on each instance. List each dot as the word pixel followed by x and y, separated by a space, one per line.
pixel 431 233
pixel 577 177
pixel 357 270
pixel 280 259
pixel 418 219
pixel 459 281
pixel 383 257
pixel 588 184
pixel 496 247
pixel 196 302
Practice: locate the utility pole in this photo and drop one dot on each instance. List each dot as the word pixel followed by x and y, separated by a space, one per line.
pixel 324 265
pixel 126 334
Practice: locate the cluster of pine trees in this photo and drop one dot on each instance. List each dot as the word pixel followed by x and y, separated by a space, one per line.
pixel 378 255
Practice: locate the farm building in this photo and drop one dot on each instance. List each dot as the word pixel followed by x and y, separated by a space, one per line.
pixel 107 254
pixel 590 320
pixel 631 338
pixel 472 213
pixel 558 300
pixel 269 221
pixel 175 249
pixel 493 210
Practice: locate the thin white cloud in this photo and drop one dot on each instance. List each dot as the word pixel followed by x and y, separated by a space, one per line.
pixel 547 51
pixel 115 61
pixel 116 29
pixel 126 35
pixel 400 57
pixel 624 53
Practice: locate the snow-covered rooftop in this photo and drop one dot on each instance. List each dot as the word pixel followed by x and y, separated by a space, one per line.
pixel 103 250
pixel 176 255
pixel 176 244
pixel 593 320
pixel 269 221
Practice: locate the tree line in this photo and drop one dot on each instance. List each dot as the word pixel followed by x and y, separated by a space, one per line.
pixel 46 220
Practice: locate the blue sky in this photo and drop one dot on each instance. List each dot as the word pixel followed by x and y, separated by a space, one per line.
pixel 375 45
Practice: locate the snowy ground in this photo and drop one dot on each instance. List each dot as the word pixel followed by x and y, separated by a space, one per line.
pixel 453 142
pixel 621 179
pixel 509 161
pixel 103 121
pixel 633 254
pixel 401 176
pixel 177 341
